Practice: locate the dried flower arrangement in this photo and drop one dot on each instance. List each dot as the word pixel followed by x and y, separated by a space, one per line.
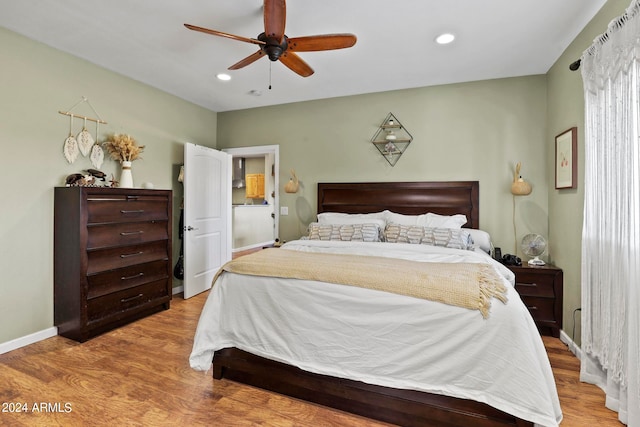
pixel 123 148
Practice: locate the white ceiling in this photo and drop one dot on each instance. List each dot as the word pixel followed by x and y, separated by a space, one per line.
pixel 146 40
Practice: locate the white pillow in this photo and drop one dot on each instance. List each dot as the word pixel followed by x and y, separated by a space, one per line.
pixel 445 221
pixel 481 239
pixel 403 219
pixel 344 218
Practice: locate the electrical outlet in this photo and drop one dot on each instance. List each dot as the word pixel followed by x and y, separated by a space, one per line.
pixel 284 210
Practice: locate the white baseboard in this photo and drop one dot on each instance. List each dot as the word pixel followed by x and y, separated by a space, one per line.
pixel 15 344
pixel 573 347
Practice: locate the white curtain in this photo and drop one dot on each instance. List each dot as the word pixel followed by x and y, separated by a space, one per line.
pixel 611 230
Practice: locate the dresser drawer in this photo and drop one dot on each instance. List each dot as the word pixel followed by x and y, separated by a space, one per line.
pixel 541 309
pixel 126 208
pixel 111 304
pixel 116 280
pixel 125 256
pixel 127 233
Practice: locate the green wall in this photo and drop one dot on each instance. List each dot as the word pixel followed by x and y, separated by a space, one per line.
pixel 36 82
pixel 471 131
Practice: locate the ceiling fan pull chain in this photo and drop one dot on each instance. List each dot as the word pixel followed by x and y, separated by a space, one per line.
pixel 269 75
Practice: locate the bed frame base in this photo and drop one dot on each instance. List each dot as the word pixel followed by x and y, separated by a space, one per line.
pixel 401 407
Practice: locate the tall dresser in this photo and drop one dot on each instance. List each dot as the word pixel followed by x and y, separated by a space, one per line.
pixel 112 257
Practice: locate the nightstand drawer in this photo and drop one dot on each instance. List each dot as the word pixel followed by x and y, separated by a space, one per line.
pixel 535 286
pixel 540 308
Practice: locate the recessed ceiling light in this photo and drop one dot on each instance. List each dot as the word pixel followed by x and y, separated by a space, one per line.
pixel 445 38
pixel 223 76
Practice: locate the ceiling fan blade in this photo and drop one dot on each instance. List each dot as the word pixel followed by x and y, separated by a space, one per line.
pixel 275 17
pixel 248 60
pixel 321 42
pixel 296 64
pixel 222 34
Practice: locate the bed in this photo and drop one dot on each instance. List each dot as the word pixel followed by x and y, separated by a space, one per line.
pixel 430 364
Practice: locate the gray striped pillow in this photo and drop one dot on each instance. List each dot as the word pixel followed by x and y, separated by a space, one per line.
pixel 455 238
pixel 345 232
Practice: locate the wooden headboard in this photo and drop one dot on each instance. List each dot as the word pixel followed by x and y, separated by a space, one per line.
pixel 410 198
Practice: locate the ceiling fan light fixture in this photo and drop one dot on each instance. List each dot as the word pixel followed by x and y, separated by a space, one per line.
pixel 274 44
pixel 445 38
pixel 224 77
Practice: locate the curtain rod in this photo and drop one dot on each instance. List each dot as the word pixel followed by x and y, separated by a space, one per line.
pixel 615 24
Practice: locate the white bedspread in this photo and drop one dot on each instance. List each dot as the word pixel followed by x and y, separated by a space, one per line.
pixel 383 338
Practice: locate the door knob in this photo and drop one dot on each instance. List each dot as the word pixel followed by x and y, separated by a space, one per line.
pixel 189 228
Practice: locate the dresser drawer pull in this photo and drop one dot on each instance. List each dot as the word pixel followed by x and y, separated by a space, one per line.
pixel 130 255
pixel 131 298
pixel 132 212
pixel 531 285
pixel 132 277
pixel 533 307
pixel 131 233
pixel 103 199
pixel 130 197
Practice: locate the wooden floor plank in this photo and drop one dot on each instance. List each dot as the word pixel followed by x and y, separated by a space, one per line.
pixel 139 375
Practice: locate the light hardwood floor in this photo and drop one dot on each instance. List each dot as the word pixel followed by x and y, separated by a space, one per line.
pixel 139 375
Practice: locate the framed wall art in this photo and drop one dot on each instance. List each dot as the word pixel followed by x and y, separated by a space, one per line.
pixel 567 159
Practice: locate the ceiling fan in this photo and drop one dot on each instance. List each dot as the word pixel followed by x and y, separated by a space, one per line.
pixel 277 46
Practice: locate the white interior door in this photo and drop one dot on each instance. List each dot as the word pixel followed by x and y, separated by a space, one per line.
pixel 207 216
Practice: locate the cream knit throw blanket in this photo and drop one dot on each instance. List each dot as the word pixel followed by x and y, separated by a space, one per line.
pixel 467 285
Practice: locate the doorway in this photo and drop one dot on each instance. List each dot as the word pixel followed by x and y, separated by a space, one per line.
pixel 255 220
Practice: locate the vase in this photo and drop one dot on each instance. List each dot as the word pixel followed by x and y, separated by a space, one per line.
pixel 126 177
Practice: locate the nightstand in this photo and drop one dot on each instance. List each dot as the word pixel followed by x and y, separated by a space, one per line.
pixel 540 288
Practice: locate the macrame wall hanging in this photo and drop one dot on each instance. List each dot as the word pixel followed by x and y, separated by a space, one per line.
pixel 84 143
